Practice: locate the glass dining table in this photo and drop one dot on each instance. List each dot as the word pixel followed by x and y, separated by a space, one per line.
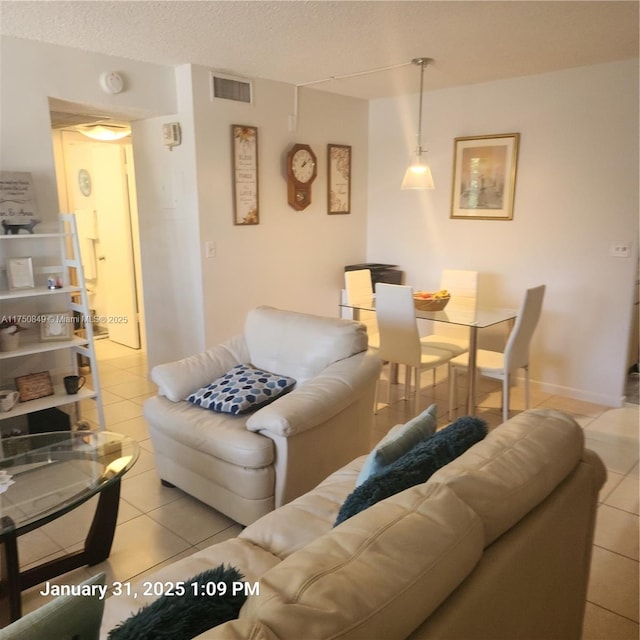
pixel 474 319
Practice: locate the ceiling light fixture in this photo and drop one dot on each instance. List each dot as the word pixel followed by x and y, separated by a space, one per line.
pixel 418 175
pixel 105 133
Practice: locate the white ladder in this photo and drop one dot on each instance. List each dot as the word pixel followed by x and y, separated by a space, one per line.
pixel 72 261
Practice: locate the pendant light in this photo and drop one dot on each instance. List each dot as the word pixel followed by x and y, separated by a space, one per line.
pixel 418 175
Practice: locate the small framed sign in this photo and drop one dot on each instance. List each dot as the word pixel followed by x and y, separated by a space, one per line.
pixel 339 183
pixel 34 385
pixel 20 273
pixel 244 140
pixel 55 326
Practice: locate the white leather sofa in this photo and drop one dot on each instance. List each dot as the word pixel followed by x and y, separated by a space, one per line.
pixel 495 545
pixel 246 465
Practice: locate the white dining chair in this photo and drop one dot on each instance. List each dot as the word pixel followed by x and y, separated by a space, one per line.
pixel 463 287
pixel 501 366
pixel 399 337
pixel 359 290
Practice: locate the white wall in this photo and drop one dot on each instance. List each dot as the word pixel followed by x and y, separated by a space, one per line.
pixel 292 259
pixel 576 192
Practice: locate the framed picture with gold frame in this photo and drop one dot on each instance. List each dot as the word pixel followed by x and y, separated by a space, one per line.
pixel 484 177
pixel 339 178
pixel 244 141
pixel 34 386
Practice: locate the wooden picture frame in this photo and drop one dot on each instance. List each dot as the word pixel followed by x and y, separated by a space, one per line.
pixel 484 177
pixel 244 143
pixel 20 273
pixel 339 179
pixel 34 386
pixel 55 327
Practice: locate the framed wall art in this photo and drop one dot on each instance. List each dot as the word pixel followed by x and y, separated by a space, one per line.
pixel 20 273
pixel 339 178
pixel 34 385
pixel 56 326
pixel 244 141
pixel 484 177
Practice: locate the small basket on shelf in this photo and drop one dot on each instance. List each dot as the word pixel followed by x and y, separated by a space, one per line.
pixel 434 303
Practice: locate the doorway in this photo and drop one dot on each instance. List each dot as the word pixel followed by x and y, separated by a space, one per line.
pixel 96 181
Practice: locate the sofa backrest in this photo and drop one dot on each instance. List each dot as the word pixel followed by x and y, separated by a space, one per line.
pixel 300 345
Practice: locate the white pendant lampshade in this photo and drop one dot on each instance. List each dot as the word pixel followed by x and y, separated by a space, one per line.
pixel 418 175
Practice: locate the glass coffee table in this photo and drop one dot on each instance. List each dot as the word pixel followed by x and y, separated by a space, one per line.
pixel 42 477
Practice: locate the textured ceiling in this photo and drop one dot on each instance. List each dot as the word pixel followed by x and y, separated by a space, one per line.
pixel 303 41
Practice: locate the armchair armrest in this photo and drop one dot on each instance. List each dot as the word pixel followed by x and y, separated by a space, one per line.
pixel 319 399
pixel 176 380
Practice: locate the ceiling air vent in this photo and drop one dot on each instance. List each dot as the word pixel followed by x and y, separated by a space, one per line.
pixel 231 88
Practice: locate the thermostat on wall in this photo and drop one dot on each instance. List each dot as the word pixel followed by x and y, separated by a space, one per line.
pixel 171 134
pixel 111 82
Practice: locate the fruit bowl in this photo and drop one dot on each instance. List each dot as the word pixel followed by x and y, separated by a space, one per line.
pixel 431 301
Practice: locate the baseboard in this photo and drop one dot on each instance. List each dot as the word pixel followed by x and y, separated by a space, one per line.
pixel 579 394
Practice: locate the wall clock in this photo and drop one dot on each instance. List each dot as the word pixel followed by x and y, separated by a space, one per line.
pixel 302 168
pixel 84 182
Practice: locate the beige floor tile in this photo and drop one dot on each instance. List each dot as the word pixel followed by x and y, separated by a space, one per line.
pixel 145 462
pixel 600 624
pixel 625 495
pixel 613 480
pixel 34 546
pixel 129 360
pixel 145 492
pixel 134 388
pixel 142 399
pixel 73 527
pixel 571 405
pixel 623 422
pixel 115 377
pixel 135 428
pixel 137 545
pixel 191 519
pixel 617 531
pixel 613 584
pixel 618 455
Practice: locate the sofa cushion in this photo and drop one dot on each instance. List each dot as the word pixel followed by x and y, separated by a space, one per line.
pixel 513 469
pixel 300 345
pixel 416 466
pixel 67 616
pixel 399 441
pixel 217 434
pixel 209 599
pixel 319 591
pixel 241 390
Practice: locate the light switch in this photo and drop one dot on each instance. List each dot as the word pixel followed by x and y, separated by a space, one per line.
pixel 210 249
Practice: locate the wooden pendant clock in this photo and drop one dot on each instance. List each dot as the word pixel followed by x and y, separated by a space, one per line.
pixel 302 169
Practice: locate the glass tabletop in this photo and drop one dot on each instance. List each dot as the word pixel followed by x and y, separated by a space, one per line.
pixel 44 475
pixel 453 314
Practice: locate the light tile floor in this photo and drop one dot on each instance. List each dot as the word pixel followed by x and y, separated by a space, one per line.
pixel 157 525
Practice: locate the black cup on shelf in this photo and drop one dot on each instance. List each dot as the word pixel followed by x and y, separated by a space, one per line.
pixel 73 384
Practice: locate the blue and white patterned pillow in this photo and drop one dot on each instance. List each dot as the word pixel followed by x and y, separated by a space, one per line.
pixel 241 390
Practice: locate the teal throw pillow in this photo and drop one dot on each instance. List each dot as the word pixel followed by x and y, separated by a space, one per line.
pixel 416 466
pixel 401 441
pixel 212 601
pixel 76 616
pixel 241 390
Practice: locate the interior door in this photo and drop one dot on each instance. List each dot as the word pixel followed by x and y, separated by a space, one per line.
pixel 115 247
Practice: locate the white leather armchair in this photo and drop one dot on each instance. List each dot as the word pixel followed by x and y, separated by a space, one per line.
pixel 245 466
